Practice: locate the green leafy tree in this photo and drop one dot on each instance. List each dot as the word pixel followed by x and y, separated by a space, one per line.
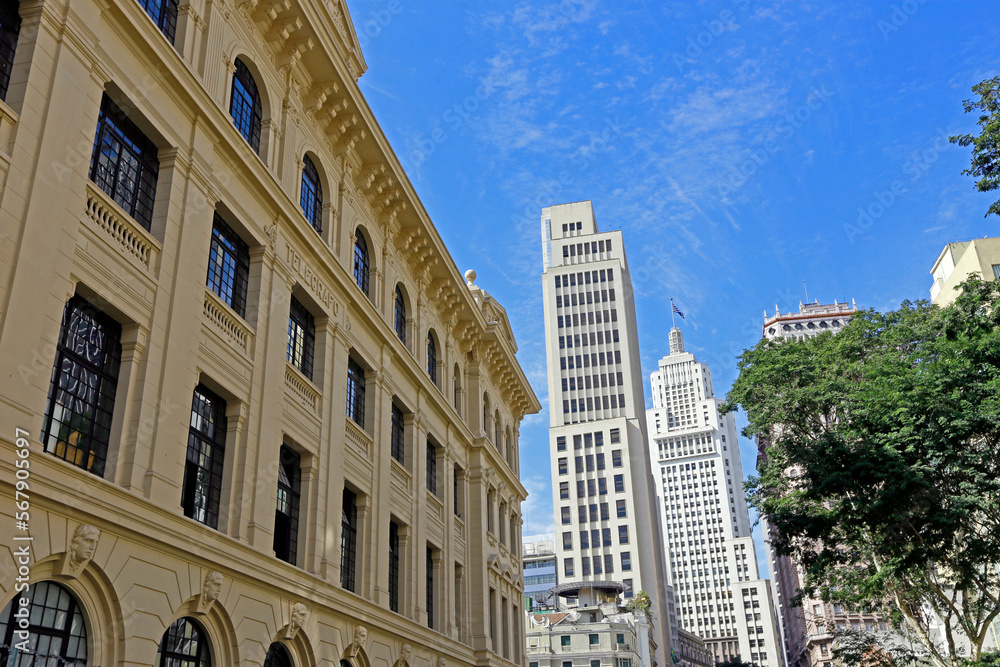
pixel 640 602
pixel 985 147
pixel 882 472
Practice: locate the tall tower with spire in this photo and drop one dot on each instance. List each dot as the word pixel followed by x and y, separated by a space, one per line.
pixel 711 560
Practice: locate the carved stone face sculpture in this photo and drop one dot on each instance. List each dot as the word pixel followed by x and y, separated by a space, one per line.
pixel 299 614
pixel 360 635
pixel 404 656
pixel 441 661
pixel 210 590
pixel 83 545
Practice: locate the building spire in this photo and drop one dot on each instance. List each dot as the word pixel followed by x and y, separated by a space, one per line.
pixel 676 341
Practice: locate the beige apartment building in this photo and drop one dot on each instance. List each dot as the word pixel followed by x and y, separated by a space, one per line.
pixel 254 413
pixel 958 261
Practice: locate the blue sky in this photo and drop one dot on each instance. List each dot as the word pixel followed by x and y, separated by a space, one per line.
pixel 742 146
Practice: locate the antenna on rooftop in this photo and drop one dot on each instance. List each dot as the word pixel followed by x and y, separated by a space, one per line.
pixel 806 289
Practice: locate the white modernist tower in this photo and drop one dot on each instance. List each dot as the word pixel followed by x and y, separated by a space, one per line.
pixel 606 522
pixel 712 564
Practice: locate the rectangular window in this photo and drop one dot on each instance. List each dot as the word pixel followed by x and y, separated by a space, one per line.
pixel 622 534
pixel 996 271
pixel 600 461
pixel 579 464
pixel 356 392
pixel 591 487
pixel 228 266
pixel 568 567
pixel 619 483
pixel 602 486
pixel 430 587
pixel 594 640
pixel 615 436
pixel 616 458
pixel 590 463
pixel 593 513
pixel 561 443
pixel 563 490
pixel 206 450
pixel 584 539
pixel 456 474
pixel 164 15
pixel 493 622
pixel 585 566
pixel 583 513
pixel 606 536
pixel 626 561
pixel 580 486
pixel 564 640
pixel 77 423
pixel 565 517
pixel 627 583
pixel 396 433
pixel 597 565
pixel 567 541
pixel 394 566
pixel 301 338
pixel 604 512
pixel 432 459
pixel 124 163
pixel 609 563
pixel 563 468
pixel 348 538
pixel 286 513
pixel 622 511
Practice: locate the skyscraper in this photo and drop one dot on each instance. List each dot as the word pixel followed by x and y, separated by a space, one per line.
pixel 607 528
pixel 712 564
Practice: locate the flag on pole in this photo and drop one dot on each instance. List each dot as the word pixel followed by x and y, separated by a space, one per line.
pixel 673 656
pixel 677 310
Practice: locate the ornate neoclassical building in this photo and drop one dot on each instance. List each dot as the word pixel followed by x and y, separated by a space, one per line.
pixel 250 412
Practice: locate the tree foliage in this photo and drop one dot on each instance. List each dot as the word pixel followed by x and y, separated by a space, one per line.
pixel 640 602
pixel 882 467
pixel 985 147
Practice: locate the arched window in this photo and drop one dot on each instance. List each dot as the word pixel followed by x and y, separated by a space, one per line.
pixel 56 631
pixel 496 428
pixel 399 315
pixel 508 452
pixel 10 27
pixel 184 644
pixel 432 358
pixel 311 199
pixel 277 656
pixel 361 266
pixel 164 15
pixel 245 105
pixel 457 381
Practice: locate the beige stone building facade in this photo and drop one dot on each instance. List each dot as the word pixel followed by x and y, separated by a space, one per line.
pixel 958 261
pixel 258 414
